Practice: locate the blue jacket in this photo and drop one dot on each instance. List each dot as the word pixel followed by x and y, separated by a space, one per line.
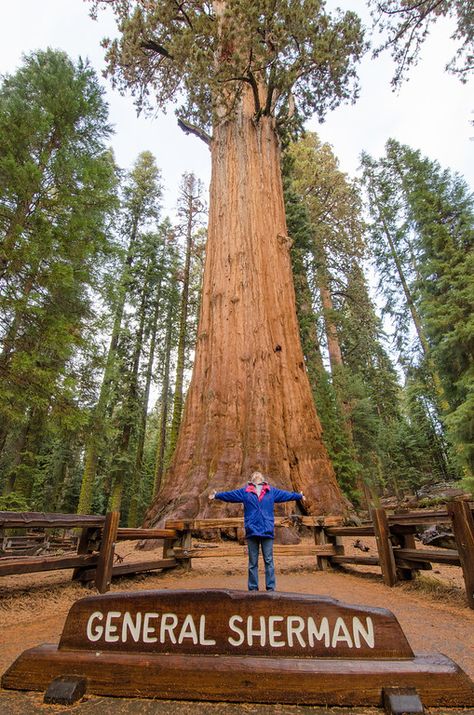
pixel 258 511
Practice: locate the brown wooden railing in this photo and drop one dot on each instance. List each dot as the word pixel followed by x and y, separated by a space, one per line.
pixel 397 555
pixel 94 557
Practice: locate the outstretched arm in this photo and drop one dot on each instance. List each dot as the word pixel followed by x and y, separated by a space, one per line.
pixel 235 495
pixel 280 495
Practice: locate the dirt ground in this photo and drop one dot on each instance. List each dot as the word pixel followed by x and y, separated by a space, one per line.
pixel 432 611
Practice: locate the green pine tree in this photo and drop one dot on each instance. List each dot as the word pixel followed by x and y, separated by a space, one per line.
pixel 422 236
pixel 58 190
pixel 140 208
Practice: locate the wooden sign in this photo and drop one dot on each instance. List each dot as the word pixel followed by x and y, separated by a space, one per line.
pixel 238 646
pixel 233 623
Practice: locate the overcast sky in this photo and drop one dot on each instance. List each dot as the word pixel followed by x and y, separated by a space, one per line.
pixel 431 112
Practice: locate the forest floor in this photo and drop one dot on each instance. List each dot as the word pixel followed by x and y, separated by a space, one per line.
pixel 432 611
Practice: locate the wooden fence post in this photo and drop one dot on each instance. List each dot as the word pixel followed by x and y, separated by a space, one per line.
pixel 407 541
pixel 322 562
pixel 182 540
pixel 84 547
pixel 103 574
pixel 321 538
pixel 168 545
pixel 406 538
pixel 463 527
pixel 186 542
pixel 384 546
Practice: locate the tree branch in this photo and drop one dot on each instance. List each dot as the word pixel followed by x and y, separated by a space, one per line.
pixel 253 83
pixel 189 128
pixel 180 6
pixel 409 8
pixel 271 89
pixel 155 47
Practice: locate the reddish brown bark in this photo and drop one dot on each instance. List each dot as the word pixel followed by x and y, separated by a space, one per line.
pixel 249 405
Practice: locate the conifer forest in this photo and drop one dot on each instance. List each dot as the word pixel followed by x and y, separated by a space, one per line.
pixel 290 318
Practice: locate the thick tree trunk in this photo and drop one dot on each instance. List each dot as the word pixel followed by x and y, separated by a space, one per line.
pixel 249 405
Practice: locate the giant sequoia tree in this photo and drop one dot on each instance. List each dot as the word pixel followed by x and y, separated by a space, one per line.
pixel 243 70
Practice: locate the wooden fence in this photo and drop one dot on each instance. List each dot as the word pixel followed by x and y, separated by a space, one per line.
pixel 397 555
pixel 93 559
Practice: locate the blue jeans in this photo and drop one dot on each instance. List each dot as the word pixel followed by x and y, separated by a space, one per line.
pixel 253 544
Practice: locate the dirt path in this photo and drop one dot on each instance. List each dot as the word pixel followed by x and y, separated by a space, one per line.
pixel 33 610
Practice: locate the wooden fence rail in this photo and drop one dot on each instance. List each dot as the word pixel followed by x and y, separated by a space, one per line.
pixel 397 555
pixel 43 520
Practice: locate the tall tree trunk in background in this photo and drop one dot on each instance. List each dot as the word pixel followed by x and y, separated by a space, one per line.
pixel 163 423
pixel 440 396
pixel 141 428
pixel 21 478
pixel 61 472
pixel 96 436
pixel 405 287
pixel 249 405
pixel 119 467
pixel 142 195
pixel 337 437
pixel 334 348
pixel 337 367
pixel 183 316
pixel 307 320
pixel 18 447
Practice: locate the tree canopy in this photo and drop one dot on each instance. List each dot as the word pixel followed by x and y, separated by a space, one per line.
pixel 297 58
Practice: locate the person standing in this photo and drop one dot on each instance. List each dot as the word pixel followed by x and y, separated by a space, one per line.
pixel 258 499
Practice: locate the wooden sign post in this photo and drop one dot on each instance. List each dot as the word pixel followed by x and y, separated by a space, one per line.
pixel 238 646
